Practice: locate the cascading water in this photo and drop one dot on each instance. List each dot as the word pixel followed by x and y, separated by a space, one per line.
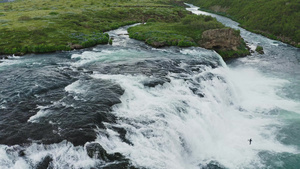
pixel 167 108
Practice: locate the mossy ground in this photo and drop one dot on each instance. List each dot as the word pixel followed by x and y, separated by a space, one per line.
pixel 241 51
pixel 49 25
pixel 40 26
pixel 184 33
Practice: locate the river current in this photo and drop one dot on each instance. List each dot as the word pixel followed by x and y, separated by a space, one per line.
pixel 128 105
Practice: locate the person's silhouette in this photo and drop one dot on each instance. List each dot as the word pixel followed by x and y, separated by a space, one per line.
pixel 250 141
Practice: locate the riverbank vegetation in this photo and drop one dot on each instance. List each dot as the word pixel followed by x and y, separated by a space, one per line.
pixel 276 19
pixel 186 32
pixel 39 26
pixel 49 25
pixel 189 32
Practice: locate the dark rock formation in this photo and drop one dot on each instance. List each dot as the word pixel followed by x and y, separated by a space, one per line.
pixel 222 39
pixel 3 57
pixel 95 150
pixel 117 160
pixel 21 153
pixel 122 134
pixel 196 91
pixel 45 163
pixel 155 81
pixel 121 165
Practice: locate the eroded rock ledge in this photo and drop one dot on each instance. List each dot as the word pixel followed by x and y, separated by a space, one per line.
pixel 227 42
pixel 223 39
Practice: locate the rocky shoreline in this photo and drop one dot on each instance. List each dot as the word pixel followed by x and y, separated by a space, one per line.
pixel 215 39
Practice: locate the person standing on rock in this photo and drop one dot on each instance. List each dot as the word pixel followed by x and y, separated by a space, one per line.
pixel 250 140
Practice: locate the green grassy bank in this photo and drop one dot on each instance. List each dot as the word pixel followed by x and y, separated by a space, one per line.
pixel 276 19
pixel 39 26
pixel 184 33
pixel 49 25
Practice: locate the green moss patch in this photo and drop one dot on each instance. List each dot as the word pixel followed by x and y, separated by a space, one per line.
pixel 47 25
pixel 186 32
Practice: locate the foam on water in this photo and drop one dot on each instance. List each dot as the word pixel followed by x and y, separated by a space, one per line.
pixel 89 56
pixel 12 60
pixel 170 127
pixel 120 36
pixel 44 111
pixel 64 155
pixel 260 93
pixel 75 87
pixel 40 113
pixel 108 56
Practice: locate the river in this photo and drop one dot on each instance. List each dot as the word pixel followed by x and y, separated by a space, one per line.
pixel 168 108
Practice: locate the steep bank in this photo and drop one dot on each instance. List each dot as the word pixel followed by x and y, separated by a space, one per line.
pixel 192 30
pixel 276 19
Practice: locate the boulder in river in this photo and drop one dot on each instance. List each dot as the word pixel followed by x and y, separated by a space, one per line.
pixel 45 163
pixel 260 50
pixel 117 160
pixel 95 150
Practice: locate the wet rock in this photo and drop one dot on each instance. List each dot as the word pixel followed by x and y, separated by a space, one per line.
pixel 211 165
pixel 156 81
pixel 45 163
pixel 88 71
pixel 22 153
pixel 260 50
pixel 79 136
pixel 16 150
pixel 95 150
pixel 19 54
pixel 121 165
pixel 197 92
pixel 3 57
pixel 122 132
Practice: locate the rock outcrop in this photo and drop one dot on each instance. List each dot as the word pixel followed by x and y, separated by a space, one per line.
pixel 115 160
pixel 75 46
pixel 223 39
pixel 45 163
pixel 260 50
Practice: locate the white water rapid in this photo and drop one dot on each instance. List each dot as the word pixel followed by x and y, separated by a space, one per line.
pixel 169 108
pixel 171 127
